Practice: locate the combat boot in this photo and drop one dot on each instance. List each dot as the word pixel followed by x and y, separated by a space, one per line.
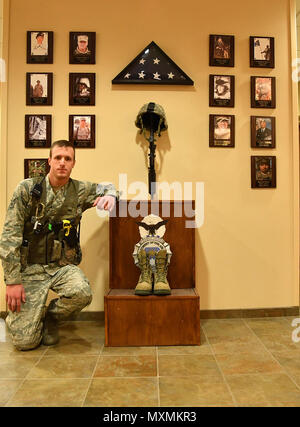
pixel 50 330
pixel 161 285
pixel 144 286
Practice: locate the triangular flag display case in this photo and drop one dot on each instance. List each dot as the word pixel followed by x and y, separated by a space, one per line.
pixel 152 66
pixel 133 320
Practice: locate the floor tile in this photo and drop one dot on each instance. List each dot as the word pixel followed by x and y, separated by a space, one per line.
pixel 258 357
pixel 68 366
pixel 81 346
pixel 128 351
pixel 112 392
pixel 187 365
pixel 235 344
pixel 289 360
pixel 126 366
pixel 225 327
pixel 6 347
pixel 16 366
pixel 194 391
pixel 279 342
pixel 247 363
pixel 285 404
pixel 7 390
pixel 83 329
pixel 51 392
pixel 184 349
pixel 266 325
pixel 263 389
pixel 296 378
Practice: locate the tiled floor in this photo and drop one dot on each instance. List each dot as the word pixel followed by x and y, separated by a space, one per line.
pixel 241 362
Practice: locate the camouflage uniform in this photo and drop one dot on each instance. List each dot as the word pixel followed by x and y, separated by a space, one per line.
pixel 67 281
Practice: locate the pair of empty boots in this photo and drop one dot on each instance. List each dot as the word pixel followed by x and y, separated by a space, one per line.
pixel 160 269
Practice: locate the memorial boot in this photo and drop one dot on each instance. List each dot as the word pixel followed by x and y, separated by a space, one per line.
pixel 50 331
pixel 161 285
pixel 144 286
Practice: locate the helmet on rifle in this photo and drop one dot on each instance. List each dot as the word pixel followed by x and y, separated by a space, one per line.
pixel 151 116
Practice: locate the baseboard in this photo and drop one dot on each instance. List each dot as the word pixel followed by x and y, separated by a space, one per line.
pixel 204 314
pixel 250 312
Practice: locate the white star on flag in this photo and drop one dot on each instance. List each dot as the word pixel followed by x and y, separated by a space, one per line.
pixel 156 61
pixel 141 74
pixel 127 76
pixel 142 61
pixel 171 75
pixel 156 76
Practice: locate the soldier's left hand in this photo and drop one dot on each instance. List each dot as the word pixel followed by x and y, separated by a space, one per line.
pixel 105 202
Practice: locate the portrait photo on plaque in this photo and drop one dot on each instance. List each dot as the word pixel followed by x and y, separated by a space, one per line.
pixel 221 130
pixel 263 171
pixel 34 168
pixel 263 132
pixel 39 88
pixel 82 48
pixel 262 54
pixel 263 93
pixel 82 130
pixel 221 90
pixel 37 130
pixel 221 50
pixel 39 47
pixel 82 88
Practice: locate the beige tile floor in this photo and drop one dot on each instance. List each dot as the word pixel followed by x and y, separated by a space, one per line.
pixel 241 362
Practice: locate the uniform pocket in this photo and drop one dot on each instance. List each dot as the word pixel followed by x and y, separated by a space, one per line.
pixel 70 255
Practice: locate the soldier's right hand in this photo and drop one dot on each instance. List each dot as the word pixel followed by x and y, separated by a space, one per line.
pixel 15 295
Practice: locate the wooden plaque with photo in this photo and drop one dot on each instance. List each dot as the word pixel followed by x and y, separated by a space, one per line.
pixel 263 171
pixel 263 132
pixel 39 47
pixel 39 87
pixel 37 130
pixel 82 48
pixel 82 88
pixel 221 50
pixel 221 90
pixel 262 54
pixel 221 130
pixel 82 130
pixel 34 168
pixel 263 92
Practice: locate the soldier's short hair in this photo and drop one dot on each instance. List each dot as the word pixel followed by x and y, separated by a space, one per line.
pixel 61 143
pixel 264 161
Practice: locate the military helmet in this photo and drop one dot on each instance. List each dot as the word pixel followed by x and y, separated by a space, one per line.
pixel 151 115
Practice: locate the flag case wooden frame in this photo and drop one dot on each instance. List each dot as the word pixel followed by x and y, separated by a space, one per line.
pixel 132 320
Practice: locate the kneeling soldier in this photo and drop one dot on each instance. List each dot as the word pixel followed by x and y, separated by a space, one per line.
pixel 40 249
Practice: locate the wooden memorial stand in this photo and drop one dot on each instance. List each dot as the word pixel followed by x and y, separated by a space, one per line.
pixel 132 320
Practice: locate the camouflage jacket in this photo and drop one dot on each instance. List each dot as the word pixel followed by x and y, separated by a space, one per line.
pixel 19 211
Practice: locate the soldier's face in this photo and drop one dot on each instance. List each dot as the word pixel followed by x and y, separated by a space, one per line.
pixel 264 168
pixel 62 162
pixel 40 39
pixel 82 45
pixel 262 124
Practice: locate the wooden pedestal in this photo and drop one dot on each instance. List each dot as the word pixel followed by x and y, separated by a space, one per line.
pixel 132 320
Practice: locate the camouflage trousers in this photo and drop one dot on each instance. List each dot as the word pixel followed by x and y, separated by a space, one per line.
pixel 73 289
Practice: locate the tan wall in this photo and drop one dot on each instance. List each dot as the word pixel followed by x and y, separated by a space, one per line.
pixel 4 24
pixel 247 249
